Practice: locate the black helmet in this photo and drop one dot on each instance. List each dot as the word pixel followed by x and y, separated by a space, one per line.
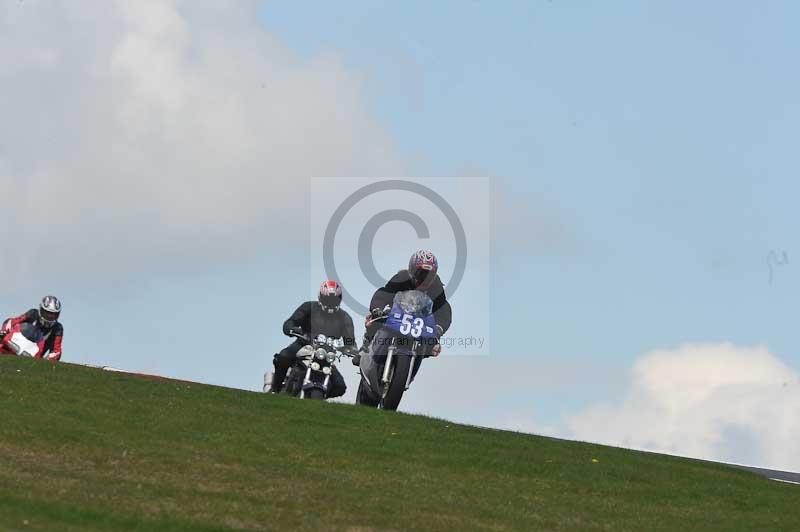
pixel 49 311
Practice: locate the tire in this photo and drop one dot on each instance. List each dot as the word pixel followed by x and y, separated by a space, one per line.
pixel 397 386
pixel 362 396
pixel 314 393
pixel 293 384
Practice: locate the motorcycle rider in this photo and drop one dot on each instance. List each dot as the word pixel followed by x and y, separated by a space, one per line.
pixel 45 318
pixel 323 316
pixel 422 275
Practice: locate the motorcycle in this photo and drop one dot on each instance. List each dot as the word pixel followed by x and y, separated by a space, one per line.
pixel 310 375
pixel 24 339
pixel 408 335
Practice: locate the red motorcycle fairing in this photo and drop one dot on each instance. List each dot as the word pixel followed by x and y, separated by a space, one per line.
pixel 10 331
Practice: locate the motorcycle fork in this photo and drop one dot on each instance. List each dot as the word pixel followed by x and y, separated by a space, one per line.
pixel 306 380
pixel 388 365
pixel 411 371
pixel 414 354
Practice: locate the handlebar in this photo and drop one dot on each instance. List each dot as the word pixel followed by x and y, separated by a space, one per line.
pixel 372 320
pixel 377 315
pixel 300 336
pixel 348 351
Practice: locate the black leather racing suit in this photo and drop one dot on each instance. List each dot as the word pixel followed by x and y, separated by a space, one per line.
pixel 313 320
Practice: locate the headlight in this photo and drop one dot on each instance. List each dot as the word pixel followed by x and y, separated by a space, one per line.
pixel 315 366
pixel 305 352
pixel 321 353
pixel 326 370
pixel 331 358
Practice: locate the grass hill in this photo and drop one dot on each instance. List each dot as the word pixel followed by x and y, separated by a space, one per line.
pixel 83 449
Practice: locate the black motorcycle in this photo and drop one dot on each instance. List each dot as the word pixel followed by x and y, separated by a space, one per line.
pixel 310 375
pixel 407 336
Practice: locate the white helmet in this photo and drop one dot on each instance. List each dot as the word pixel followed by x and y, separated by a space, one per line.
pixel 49 311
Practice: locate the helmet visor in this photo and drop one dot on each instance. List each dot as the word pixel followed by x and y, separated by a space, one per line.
pixel 330 301
pixel 423 278
pixel 48 316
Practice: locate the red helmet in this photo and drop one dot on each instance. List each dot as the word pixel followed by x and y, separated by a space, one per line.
pixel 330 296
pixel 422 268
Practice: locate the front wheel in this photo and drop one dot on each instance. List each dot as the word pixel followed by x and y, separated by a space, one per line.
pixel 314 393
pixel 363 397
pixel 397 385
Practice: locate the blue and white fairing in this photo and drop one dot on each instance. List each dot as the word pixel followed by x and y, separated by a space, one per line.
pixel 412 315
pixel 410 327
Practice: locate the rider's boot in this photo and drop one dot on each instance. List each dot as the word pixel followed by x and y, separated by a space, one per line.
pixel 277 377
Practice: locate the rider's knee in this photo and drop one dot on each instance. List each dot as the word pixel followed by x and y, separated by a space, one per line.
pixel 337 390
pixel 283 359
pixel 337 385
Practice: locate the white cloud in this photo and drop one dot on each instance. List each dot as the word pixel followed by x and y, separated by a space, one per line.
pixel 136 131
pixel 712 401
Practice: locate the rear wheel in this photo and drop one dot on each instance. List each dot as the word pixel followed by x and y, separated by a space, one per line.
pixel 397 385
pixel 314 393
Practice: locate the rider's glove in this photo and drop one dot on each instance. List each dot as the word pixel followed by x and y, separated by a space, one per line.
pixel 439 331
pixel 437 349
pixel 376 314
pixel 380 312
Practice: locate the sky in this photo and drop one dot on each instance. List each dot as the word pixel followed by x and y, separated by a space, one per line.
pixel 158 164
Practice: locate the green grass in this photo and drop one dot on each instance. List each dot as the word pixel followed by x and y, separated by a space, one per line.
pixel 83 449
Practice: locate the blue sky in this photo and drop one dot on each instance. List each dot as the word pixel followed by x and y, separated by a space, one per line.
pixel 655 140
pixel 659 134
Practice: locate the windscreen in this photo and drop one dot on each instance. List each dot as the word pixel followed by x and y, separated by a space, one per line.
pixel 412 315
pixel 414 302
pixel 31 332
